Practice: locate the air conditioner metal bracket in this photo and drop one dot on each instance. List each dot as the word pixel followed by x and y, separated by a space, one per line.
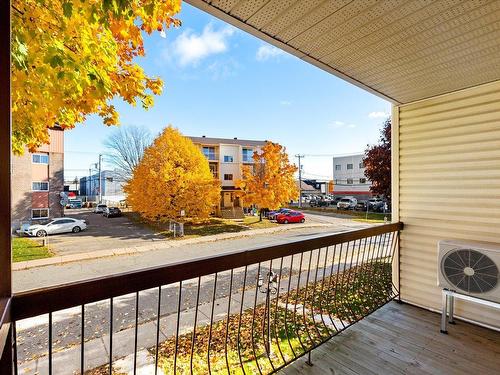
pixel 448 304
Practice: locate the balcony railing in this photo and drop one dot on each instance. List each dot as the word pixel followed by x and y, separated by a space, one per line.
pixel 211 156
pixel 245 312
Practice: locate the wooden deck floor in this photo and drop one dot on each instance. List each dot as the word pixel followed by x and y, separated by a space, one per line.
pixel 402 339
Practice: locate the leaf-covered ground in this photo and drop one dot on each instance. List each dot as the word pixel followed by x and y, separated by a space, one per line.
pixel 299 320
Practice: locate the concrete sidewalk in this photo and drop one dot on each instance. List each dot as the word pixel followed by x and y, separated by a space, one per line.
pixel 156 245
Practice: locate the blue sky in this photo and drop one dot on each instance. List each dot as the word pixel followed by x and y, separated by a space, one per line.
pixel 221 82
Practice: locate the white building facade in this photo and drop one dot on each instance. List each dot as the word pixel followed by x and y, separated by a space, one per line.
pixel 226 158
pixel 349 176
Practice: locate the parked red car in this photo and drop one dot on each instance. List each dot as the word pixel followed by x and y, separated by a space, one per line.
pixel 291 217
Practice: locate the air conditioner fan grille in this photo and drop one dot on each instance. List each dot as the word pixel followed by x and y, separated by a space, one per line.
pixel 470 270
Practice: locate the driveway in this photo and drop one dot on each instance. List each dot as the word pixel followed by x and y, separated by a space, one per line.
pixel 101 234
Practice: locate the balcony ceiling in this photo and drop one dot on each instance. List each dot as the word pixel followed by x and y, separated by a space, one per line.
pixel 400 50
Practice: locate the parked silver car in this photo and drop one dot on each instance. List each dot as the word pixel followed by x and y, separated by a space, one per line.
pixel 347 203
pixel 60 225
pixel 100 208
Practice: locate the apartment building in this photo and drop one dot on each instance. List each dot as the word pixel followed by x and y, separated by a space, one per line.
pixel 226 159
pixel 38 180
pixel 349 176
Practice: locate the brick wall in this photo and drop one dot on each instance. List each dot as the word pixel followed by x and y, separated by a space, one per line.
pixel 21 188
pixel 56 183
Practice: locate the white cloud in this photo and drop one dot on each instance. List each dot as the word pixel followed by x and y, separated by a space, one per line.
pixel 266 52
pixel 378 114
pixel 222 69
pixel 190 48
pixel 285 103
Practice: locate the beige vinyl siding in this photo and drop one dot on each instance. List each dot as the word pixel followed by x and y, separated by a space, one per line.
pixel 448 179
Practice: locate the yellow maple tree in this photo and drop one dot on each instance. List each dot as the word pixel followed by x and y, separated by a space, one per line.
pixel 71 58
pixel 269 182
pixel 173 177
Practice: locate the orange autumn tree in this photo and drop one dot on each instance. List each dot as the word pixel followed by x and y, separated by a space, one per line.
pixel 270 182
pixel 173 176
pixel 70 59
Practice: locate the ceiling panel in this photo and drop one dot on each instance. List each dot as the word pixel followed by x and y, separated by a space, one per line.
pixel 401 50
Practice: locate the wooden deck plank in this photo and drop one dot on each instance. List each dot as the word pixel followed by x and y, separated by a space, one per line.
pixel 403 339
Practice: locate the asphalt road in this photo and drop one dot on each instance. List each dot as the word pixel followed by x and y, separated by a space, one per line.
pixel 101 234
pixel 34 278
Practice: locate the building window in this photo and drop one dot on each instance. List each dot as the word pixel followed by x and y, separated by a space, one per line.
pixel 40 159
pixel 361 165
pixel 40 186
pixel 228 159
pixel 214 170
pixel 349 166
pixel 209 153
pixel 338 167
pixel 228 177
pixel 349 181
pixel 247 155
pixel 39 213
pixel 362 180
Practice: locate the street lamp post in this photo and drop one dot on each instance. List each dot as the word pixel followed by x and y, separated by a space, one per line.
pixel 269 288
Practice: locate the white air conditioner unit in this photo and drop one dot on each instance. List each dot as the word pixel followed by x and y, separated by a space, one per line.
pixel 470 268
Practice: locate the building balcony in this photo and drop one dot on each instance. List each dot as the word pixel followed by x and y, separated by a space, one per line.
pixel 212 157
pixel 327 301
pixel 404 339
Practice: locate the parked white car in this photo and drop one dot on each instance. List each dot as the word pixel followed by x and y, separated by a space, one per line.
pixel 347 203
pixel 100 208
pixel 60 225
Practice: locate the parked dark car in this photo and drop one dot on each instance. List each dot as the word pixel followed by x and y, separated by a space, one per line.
pixel 112 212
pixel 360 206
pixel 271 215
pixel 319 203
pixel 376 205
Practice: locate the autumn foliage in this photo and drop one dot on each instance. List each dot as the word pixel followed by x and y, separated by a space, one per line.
pixel 70 58
pixel 377 162
pixel 270 182
pixel 173 176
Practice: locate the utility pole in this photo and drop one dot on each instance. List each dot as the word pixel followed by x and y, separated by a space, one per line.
pixel 300 179
pixel 333 168
pixel 100 178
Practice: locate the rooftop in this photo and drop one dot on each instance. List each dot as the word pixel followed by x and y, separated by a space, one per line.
pixel 230 141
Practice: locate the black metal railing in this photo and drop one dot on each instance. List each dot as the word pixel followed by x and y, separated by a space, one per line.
pixel 250 312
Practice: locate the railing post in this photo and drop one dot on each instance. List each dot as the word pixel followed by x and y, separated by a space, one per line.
pixel 7 355
pixel 6 360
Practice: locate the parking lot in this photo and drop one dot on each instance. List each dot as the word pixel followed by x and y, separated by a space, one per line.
pixel 101 234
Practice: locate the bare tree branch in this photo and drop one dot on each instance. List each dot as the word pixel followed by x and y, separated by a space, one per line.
pixel 126 147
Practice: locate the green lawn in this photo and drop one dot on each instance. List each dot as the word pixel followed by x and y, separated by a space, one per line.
pixel 24 249
pixel 372 217
pixel 209 227
pixel 254 223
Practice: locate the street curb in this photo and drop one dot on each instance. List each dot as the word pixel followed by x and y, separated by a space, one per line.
pixel 155 245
